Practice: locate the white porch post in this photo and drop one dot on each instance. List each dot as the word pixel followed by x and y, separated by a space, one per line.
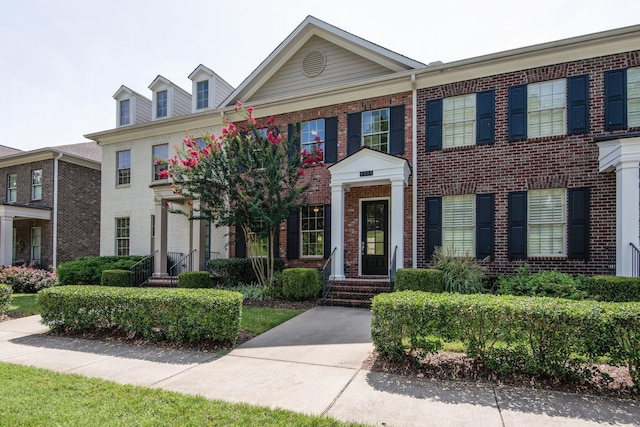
pixel 197 239
pixel 160 260
pixel 6 240
pixel 337 230
pixel 627 215
pixel 397 220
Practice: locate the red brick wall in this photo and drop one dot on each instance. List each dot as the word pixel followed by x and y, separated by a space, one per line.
pixel 559 161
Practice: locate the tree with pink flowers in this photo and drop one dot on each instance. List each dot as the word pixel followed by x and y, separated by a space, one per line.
pixel 248 178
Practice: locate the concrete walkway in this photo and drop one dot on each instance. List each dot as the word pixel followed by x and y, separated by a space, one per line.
pixel 311 364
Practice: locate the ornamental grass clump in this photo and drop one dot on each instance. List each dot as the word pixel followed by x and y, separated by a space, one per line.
pixel 460 274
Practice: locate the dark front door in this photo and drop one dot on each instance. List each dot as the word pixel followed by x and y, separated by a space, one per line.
pixel 375 234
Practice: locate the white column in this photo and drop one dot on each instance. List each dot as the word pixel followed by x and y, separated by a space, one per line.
pixel 627 215
pixel 197 239
pixel 160 261
pixel 337 231
pixel 6 240
pixel 397 221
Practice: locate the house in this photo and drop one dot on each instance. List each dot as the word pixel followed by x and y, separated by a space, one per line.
pixel 524 156
pixel 50 204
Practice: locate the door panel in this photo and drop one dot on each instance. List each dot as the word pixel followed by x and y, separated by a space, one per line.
pixel 375 238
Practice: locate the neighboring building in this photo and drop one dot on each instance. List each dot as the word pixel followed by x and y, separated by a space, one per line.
pixel 507 157
pixel 50 204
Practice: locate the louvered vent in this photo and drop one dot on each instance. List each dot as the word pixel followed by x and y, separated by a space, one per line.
pixel 313 63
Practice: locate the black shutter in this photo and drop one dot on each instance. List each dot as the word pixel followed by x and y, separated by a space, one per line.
pixel 396 125
pixel 293 131
pixel 484 225
pixel 241 244
pixel 433 131
pixel 327 231
pixel 433 219
pixel 517 225
pixel 293 236
pixel 518 113
pixel 578 100
pixel 615 99
pixel 578 223
pixel 354 132
pixel 331 140
pixel 485 117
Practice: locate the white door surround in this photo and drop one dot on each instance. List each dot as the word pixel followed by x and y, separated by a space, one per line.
pixel 368 167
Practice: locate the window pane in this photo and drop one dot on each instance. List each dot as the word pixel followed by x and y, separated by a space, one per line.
pixel 311 229
pixel 124 112
pixel 458 120
pixel 161 108
pixel 547 220
pixel 633 96
pixel 458 224
pixel 546 108
pixel 375 129
pixel 312 135
pixel 123 160
pixel 122 236
pixel 160 153
pixel 203 94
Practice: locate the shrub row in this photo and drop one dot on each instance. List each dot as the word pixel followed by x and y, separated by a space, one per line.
pixel 88 270
pixel 300 284
pixel 27 280
pixel 5 298
pixel 235 271
pixel 156 314
pixel 612 288
pixel 533 335
pixel 419 279
pixel 194 279
pixel 121 278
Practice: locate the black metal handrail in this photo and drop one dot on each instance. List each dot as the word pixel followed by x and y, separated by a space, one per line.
pixel 392 270
pixel 327 283
pixel 183 264
pixel 635 260
pixel 141 270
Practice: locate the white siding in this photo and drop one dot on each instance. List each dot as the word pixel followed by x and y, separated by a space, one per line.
pixel 181 102
pixel 141 110
pixel 221 92
pixel 342 66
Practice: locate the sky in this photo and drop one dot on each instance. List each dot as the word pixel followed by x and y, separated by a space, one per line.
pixel 61 61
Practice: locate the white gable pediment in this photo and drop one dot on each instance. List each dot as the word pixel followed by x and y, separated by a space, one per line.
pixel 370 167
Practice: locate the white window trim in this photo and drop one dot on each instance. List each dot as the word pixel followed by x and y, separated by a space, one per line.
pixel 38 245
pixel 453 141
pixel 530 112
pixel 118 239
pixel 387 132
pixel 446 228
pixel 302 232
pixel 633 102
pixel 12 190
pixel 34 186
pixel 118 184
pixel 154 158
pixel 197 95
pixel 531 223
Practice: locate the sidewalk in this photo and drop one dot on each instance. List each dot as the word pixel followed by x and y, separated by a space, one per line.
pixel 311 364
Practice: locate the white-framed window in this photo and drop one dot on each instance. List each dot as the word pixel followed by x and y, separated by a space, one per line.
pixel 312 135
pixel 458 224
pixel 159 153
pixel 375 129
pixel 123 167
pixel 122 236
pixel 258 246
pixel 161 104
pixel 546 108
pixel 633 97
pixel 36 244
pixel 312 231
pixel 36 184
pixel 124 112
pixel 12 187
pixel 547 218
pixel 459 120
pixel 202 94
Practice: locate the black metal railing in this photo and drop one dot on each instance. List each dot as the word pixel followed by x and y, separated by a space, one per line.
pixel 635 260
pixel 327 282
pixel 183 264
pixel 142 270
pixel 392 269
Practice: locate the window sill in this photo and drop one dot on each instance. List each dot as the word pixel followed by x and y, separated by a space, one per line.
pixel 123 186
pixel 548 258
pixel 459 148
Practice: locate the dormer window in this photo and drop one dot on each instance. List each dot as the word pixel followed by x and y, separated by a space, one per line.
pixel 161 105
pixel 125 112
pixel 202 94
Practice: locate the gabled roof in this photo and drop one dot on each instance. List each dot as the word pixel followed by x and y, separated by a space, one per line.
pixel 129 92
pixel 87 154
pixel 312 27
pixel 163 80
pixel 5 151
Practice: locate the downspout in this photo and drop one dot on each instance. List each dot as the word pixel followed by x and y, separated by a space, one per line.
pixel 414 150
pixel 55 210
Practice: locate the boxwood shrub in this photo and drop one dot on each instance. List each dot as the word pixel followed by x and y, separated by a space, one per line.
pixel 532 335
pixel 156 314
pixel 419 279
pixel 541 284
pixel 612 288
pixel 120 278
pixel 300 284
pixel 194 279
pixel 236 271
pixel 88 270
pixel 5 298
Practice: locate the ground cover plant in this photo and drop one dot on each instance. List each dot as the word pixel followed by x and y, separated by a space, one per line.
pixel 73 400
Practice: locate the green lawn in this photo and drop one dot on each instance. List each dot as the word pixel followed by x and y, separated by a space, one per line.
pixel 37 397
pixel 257 320
pixel 23 305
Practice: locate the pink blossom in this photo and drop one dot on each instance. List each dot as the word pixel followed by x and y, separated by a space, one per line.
pixel 271 120
pixel 163 174
pixel 238 106
pixel 250 110
pixel 301 172
pixel 232 127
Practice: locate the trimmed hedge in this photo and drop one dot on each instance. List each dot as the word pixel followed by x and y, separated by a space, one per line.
pixel 300 284
pixel 5 298
pixel 541 284
pixel 612 288
pixel 120 278
pixel 236 271
pixel 88 270
pixel 419 279
pixel 156 314
pixel 194 279
pixel 533 335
